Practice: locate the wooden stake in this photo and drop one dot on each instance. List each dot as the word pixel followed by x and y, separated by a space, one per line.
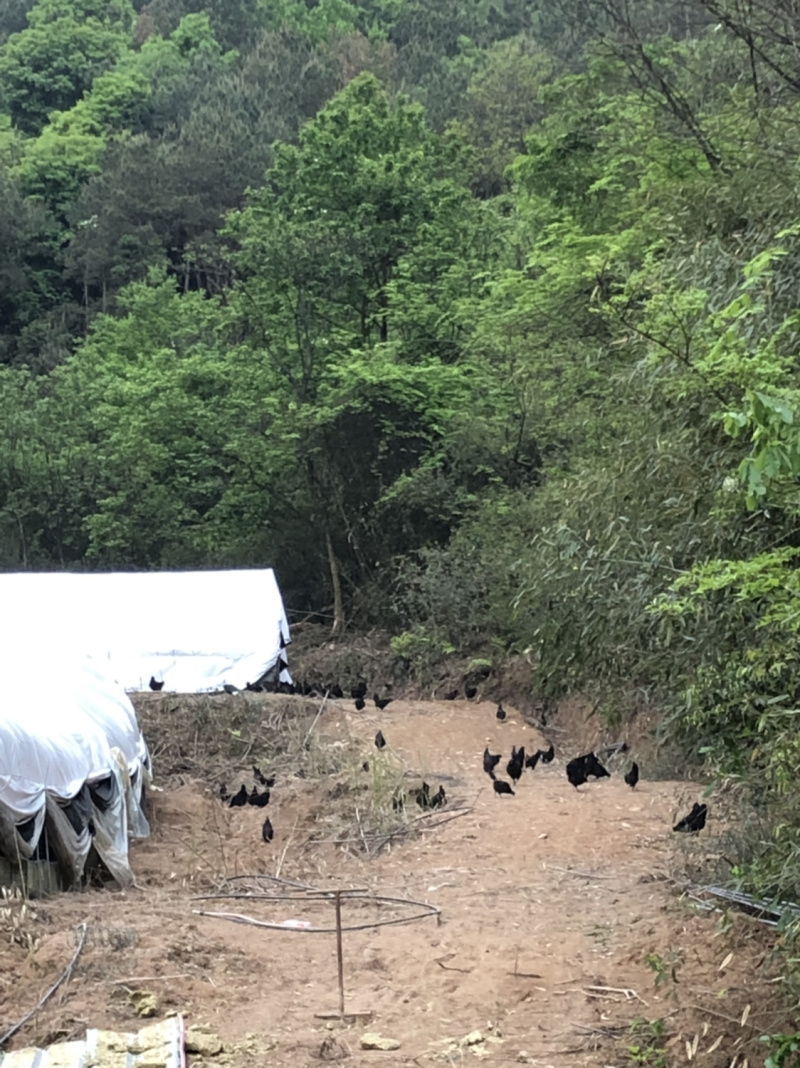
pixel 339 958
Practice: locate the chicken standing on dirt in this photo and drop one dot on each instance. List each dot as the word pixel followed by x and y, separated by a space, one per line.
pixel 516 764
pixel 632 776
pixel 267 832
pixel 590 765
pixel 239 799
pixel 381 702
pixel 490 761
pixel 155 685
pixel 695 821
pixel 380 741
pixel 576 772
pixel 501 787
pixel 501 713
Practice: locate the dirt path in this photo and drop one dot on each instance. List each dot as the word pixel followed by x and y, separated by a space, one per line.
pixel 546 898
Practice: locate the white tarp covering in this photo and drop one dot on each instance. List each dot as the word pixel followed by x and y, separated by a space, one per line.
pixel 71 749
pixel 159 1045
pixel 193 630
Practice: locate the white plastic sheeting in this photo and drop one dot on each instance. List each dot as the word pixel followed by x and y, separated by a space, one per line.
pixel 193 630
pixel 158 1045
pixel 70 745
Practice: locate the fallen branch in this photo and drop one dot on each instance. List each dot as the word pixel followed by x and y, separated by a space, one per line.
pixel 580 874
pixel 606 1031
pixel 451 967
pixel 407 828
pixel 314 723
pixel 523 975
pixel 361 831
pixel 46 997
pixel 147 979
pixel 722 1016
pixel 285 850
pixel 608 991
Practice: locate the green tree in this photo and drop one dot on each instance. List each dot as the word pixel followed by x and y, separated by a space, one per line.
pixel 70 148
pixel 29 281
pixel 48 66
pixel 148 391
pixel 162 194
pixel 354 228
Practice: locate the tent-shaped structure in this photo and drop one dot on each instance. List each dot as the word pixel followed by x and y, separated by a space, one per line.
pixel 195 631
pixel 73 767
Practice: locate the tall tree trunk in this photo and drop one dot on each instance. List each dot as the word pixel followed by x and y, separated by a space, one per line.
pixel 338 606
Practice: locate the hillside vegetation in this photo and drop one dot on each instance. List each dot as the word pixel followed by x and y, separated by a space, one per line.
pixel 478 321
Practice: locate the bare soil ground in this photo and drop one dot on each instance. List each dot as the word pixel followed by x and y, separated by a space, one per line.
pixel 560 926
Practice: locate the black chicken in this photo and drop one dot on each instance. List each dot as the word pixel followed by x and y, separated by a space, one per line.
pixel 533 759
pixel 360 704
pixel 490 761
pixel 257 799
pixel 470 692
pixel 359 690
pixel 239 799
pixel 380 741
pixel 501 787
pixel 438 799
pixel 547 754
pixel 381 702
pixel 155 685
pixel 632 776
pixel 695 821
pixel 501 712
pixel 516 764
pixel 451 695
pixel 576 771
pixel 267 832
pixel 336 691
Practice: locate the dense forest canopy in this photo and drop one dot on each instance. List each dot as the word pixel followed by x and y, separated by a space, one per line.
pixel 477 320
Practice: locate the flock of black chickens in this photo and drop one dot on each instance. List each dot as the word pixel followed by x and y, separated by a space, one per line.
pixel 255 797
pixel 579 770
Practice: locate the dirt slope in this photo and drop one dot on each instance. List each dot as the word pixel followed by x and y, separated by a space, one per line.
pixel 551 903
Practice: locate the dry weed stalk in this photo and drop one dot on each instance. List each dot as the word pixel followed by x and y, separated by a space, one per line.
pixel 17 919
